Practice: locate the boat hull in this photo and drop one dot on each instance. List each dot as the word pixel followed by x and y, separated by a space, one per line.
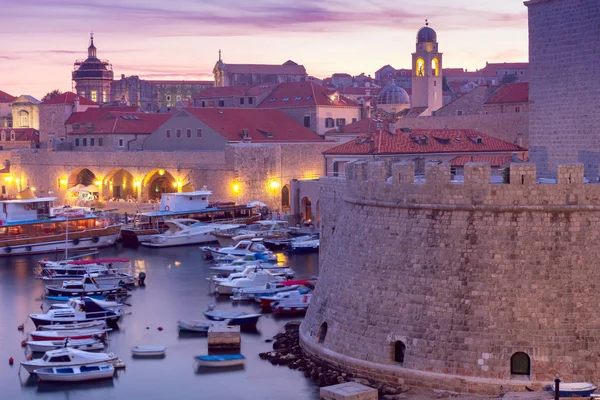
pixel 162 241
pixel 55 375
pixel 575 389
pixel 39 320
pixel 110 289
pixel 42 346
pixel 31 367
pixel 149 351
pixel 219 363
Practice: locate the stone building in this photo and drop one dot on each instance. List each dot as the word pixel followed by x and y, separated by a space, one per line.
pixel 520 71
pixel 508 98
pixel 5 110
pixel 254 74
pixel 563 88
pixel 243 96
pixel 93 77
pixel 25 112
pixel 55 112
pixel 19 138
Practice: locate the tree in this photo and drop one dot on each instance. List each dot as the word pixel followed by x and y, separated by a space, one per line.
pixel 510 78
pixel 49 95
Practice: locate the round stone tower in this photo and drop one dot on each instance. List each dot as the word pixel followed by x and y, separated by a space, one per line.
pixel 92 76
pixel 469 287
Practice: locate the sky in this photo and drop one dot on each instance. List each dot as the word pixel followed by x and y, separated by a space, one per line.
pixel 180 39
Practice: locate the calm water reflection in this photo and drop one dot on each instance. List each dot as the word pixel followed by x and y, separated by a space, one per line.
pixel 176 287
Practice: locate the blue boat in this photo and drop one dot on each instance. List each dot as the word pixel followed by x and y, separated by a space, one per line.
pixel 233 317
pixel 66 298
pixel 220 361
pixel 578 389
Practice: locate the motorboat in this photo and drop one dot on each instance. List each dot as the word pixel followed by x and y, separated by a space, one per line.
pixel 241 249
pixel 72 302
pixel 220 361
pixel 100 324
pixel 189 325
pixel 576 389
pixel 186 231
pixel 281 272
pixel 80 310
pixel 80 344
pixel 304 246
pixel 282 243
pixel 148 351
pixel 292 306
pixel 76 373
pixel 232 317
pixel 105 270
pixel 260 229
pixel 268 289
pixel 87 285
pixel 68 357
pixel 75 334
pixel 253 279
pixel 267 301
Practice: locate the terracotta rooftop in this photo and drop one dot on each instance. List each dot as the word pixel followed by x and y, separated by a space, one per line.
pixel 92 115
pixel 263 126
pixel 304 94
pixel 115 122
pixel 5 97
pixel 69 98
pixel 285 69
pixel 22 134
pixel 510 93
pixel 423 141
pixel 494 161
pixel 235 91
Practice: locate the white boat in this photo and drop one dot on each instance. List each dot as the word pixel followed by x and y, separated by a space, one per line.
pixel 86 285
pixel 71 334
pixel 267 301
pixel 241 249
pixel 79 310
pixel 111 305
pixel 305 246
pixel 31 226
pixel 575 389
pixel 232 317
pixel 189 325
pixel 281 272
pixel 68 357
pixel 186 231
pixel 149 351
pixel 220 361
pixel 259 229
pixel 268 289
pixel 105 270
pixel 76 373
pixel 253 279
pixel 80 344
pixel 100 324
pixel 292 306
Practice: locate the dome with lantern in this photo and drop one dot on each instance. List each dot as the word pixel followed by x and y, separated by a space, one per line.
pixel 393 99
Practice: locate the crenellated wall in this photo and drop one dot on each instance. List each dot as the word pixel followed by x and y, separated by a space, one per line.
pixel 465 275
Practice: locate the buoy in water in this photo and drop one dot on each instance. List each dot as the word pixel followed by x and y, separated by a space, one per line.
pixel 21 327
pixel 23 343
pixel 147 327
pixel 29 358
pixel 11 361
pixel 160 328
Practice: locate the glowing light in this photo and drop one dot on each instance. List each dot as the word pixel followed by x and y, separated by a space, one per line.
pixel 98 183
pixel 161 172
pixel 63 181
pixel 33 189
pixel 137 183
pixel 8 179
pixel 174 184
pixel 236 187
pixel 274 184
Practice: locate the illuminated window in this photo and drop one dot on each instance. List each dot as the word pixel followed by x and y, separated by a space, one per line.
pixel 104 97
pixel 420 67
pixel 94 95
pixel 24 119
pixel 435 67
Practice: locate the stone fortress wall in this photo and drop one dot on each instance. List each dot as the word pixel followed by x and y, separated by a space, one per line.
pixel 464 275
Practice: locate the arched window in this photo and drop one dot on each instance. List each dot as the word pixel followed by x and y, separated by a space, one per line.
pixel 420 67
pixel 399 351
pixel 12 135
pixel 3 136
pixel 520 364
pixel 285 197
pixel 322 333
pixel 435 67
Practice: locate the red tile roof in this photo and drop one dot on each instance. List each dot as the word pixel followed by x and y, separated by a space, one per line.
pixel 264 126
pixel 6 98
pixel 21 134
pixel 384 67
pixel 423 141
pixel 235 91
pixel 494 161
pixel 69 98
pixel 92 115
pixel 304 94
pixel 124 123
pixel 285 69
pixel 510 93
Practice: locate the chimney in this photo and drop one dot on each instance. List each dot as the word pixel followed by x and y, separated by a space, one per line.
pixel 76 103
pixel 392 128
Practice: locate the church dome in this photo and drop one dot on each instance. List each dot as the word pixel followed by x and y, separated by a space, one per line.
pixel 393 95
pixel 426 35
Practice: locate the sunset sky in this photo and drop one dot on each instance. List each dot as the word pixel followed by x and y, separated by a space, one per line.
pixel 180 39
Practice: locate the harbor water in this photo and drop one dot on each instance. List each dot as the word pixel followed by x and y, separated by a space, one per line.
pixel 176 288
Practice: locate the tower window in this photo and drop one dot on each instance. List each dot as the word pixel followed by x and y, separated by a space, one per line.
pixel 399 351
pixel 104 96
pixel 435 67
pixel 94 95
pixel 520 364
pixel 420 67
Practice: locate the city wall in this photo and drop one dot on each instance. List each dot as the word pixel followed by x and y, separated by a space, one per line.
pixel 464 275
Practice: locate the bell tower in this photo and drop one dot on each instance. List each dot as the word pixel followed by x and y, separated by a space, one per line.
pixel 427 72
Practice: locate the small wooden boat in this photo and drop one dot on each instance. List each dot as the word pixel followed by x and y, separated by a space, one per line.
pixel 576 389
pixel 71 334
pixel 71 327
pixel 220 361
pixel 189 325
pixel 81 344
pixel 76 373
pixel 233 317
pixel 149 351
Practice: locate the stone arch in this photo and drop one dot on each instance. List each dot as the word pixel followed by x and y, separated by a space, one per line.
pixel 285 198
pixel 399 351
pixel 120 184
pixel 81 176
pixel 420 67
pixel 520 364
pixel 322 333
pixel 157 182
pixel 435 67
pixel 306 210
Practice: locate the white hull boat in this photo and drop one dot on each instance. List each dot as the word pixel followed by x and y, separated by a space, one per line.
pixel 252 280
pixel 68 357
pixel 269 289
pixel 185 231
pixel 149 351
pixel 80 310
pixel 189 325
pixel 71 334
pixel 71 327
pixel 220 361
pixel 76 373
pixel 42 346
pixel 243 248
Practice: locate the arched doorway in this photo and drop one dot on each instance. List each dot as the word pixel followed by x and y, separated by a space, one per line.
pixel 520 364
pixel 81 176
pixel 82 187
pixel 121 185
pixel 399 351
pixel 158 182
pixel 306 210
pixel 285 198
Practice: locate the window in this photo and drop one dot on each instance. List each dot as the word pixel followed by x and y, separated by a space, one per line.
pixel 221 103
pixel 168 97
pixel 104 96
pixel 94 95
pixel 322 333
pixel 12 136
pixel 188 132
pixel 520 364
pixel 286 99
pixel 53 115
pixel 250 100
pixel 329 123
pixel 203 104
pixel 77 142
pixel 24 119
pixel 92 141
pixel 199 132
pixel 178 133
pixel 307 121
pixel 241 100
pixel 3 136
pixel 121 143
pixel 354 120
pixel 340 121
pixel 3 189
pixel 168 133
pixel 178 98
pixel 100 141
pixel 420 67
pixel 84 141
pixel 399 351
pixel 459 113
pixel 434 83
pixel 517 109
pixel 298 98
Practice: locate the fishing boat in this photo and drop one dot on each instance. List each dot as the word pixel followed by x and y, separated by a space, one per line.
pixel 32 226
pixel 267 301
pixel 268 289
pixel 292 306
pixel 149 351
pixel 74 334
pixel 80 344
pixel 254 278
pixel 241 249
pixel 104 270
pixel 80 310
pixel 189 325
pixel 194 205
pixel 68 357
pixel 186 231
pixel 304 246
pixel 76 374
pixel 576 389
pixel 100 324
pixel 67 298
pixel 87 285
pixel 232 317
pixel 220 361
